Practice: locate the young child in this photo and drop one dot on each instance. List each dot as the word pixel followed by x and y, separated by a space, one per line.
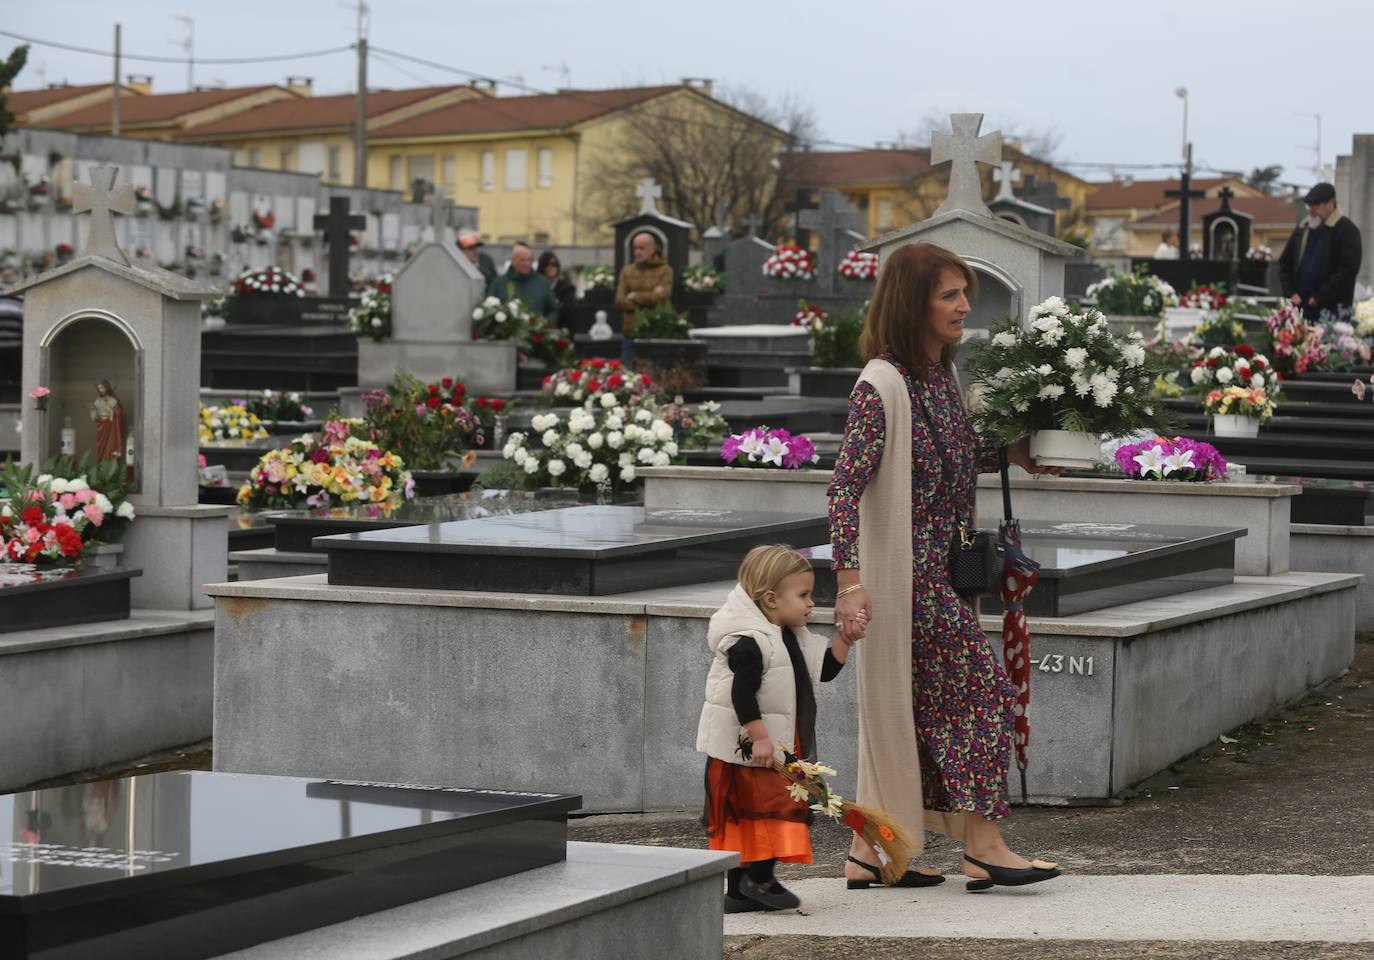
pixel 761 684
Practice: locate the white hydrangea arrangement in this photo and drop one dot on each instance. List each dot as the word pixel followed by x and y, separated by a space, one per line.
pixel 599 448
pixel 1063 371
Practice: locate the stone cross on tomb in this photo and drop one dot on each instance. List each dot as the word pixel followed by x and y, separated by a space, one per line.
pixel 722 211
pixel 1007 175
pixel 1185 194
pixel 963 150
pixel 336 225
pixel 834 214
pixel 648 192
pixel 752 221
pixel 440 213
pixel 1226 195
pixel 100 198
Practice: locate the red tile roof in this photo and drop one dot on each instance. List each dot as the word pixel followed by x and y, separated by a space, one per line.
pixel 1266 211
pixel 21 101
pixel 304 113
pixel 1144 194
pixel 826 168
pixel 154 108
pixel 538 112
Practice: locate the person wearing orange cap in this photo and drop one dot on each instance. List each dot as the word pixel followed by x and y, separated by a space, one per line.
pixel 470 242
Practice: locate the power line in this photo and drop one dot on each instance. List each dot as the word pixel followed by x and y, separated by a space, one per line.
pixel 156 59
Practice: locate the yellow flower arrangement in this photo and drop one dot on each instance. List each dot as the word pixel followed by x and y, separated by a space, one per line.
pixel 1239 401
pixel 229 424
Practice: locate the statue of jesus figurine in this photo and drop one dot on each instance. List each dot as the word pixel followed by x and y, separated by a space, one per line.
pixel 108 415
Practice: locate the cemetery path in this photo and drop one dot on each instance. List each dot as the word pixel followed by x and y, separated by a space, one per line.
pixel 1290 796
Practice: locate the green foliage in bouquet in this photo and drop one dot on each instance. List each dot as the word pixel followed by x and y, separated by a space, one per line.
pixel 660 322
pixel 1063 371
pixel 835 341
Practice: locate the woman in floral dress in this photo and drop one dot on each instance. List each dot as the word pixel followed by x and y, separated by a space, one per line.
pixel 952 774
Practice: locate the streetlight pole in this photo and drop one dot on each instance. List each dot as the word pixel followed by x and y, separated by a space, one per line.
pixel 1182 94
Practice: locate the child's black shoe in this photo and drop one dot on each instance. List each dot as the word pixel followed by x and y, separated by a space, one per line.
pixel 742 905
pixel 772 896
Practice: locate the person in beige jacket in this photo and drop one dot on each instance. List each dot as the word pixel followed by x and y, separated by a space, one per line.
pixel 646 281
pixel 761 686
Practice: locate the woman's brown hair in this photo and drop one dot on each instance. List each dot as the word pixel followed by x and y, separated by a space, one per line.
pixel 899 313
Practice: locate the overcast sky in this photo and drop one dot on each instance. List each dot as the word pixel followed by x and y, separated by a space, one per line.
pixel 1103 72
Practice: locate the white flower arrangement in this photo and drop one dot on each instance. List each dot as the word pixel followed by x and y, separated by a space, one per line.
pixel 856 265
pixel 1364 318
pixel 1062 371
pixel 1139 294
pixel 597 447
pixel 790 262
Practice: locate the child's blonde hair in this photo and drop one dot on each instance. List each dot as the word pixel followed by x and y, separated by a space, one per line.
pixel 766 566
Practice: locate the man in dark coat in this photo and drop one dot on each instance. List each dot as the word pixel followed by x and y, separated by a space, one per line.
pixel 520 282
pixel 1321 259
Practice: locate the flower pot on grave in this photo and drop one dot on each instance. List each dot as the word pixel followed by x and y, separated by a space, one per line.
pixel 103 556
pixel 265 309
pixel 1065 448
pixel 674 365
pixel 1234 425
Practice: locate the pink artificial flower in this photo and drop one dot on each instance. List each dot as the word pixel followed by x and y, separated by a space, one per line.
pixel 94 513
pixel 85 496
pixel 38 393
pixel 201 461
pixel 67 501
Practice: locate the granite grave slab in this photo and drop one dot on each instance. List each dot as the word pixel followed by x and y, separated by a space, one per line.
pixel 1092 566
pixel 32 597
pixel 296 530
pixel 193 864
pixel 583 551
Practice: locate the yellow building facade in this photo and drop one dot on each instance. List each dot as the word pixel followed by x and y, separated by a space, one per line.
pixel 528 164
pixel 897 187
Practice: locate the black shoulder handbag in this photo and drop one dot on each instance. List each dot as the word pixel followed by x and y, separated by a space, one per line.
pixel 975 556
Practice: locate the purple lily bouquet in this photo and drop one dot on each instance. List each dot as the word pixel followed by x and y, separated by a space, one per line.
pixel 1171 458
pixel 762 447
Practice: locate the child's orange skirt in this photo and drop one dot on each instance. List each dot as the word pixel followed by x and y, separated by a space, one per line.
pixel 749 810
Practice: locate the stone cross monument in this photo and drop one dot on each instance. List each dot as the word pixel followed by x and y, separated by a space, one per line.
pixel 648 192
pixel 1007 175
pixel 100 198
pixel 336 225
pixel 963 150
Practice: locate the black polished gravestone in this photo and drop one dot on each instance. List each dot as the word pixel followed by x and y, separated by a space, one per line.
pixel 1090 566
pixel 296 530
pixel 177 866
pixel 32 597
pixel 582 551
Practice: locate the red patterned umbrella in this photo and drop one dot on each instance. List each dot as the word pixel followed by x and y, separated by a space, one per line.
pixel 1019 574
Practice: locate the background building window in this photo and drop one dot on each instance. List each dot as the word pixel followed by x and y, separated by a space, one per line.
pixel 287 158
pixel 884 213
pixel 488 170
pixel 336 163
pixel 515 169
pixel 421 168
pixel 397 177
pixel 450 169
pixel 545 167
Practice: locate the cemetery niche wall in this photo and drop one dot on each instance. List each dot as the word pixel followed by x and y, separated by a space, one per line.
pixel 118 345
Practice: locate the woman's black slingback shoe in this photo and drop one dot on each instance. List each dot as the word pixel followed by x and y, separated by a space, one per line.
pixel 1037 872
pixel 912 878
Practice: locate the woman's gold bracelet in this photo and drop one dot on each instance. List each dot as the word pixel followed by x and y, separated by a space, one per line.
pixel 848 590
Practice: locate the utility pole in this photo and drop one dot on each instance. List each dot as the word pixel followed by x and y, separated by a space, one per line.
pixel 360 106
pixel 189 44
pixel 114 100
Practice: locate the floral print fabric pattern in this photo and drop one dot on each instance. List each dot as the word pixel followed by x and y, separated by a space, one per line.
pixel 961 698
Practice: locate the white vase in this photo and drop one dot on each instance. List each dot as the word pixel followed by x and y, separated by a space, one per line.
pixel 1234 425
pixel 1064 448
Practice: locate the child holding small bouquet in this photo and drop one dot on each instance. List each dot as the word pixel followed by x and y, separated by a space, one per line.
pixel 762 685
